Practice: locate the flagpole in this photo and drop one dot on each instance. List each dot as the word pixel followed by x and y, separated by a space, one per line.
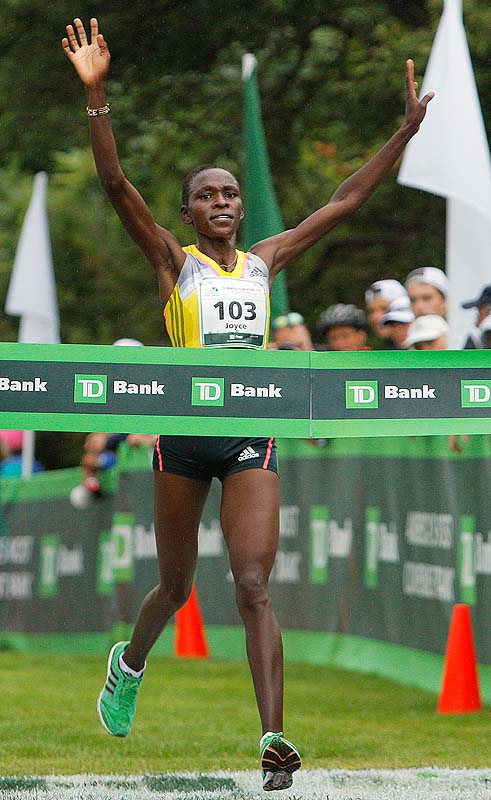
pixel 28 448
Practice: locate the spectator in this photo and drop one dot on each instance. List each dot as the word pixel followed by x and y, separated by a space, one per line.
pixel 397 321
pixel 11 455
pixel 485 331
pixel 14 440
pixel 128 343
pixel 479 339
pixel 427 288
pixel 344 327
pixel 482 304
pixel 100 453
pixel 290 329
pixel 427 333
pixel 378 298
pixel 11 463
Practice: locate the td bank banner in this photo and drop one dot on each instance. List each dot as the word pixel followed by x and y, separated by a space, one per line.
pixel 371 545
pixel 243 393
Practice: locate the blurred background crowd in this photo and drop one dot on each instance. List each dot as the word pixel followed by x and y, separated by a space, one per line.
pixel 394 317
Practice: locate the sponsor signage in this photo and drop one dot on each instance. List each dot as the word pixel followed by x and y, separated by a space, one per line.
pixel 242 392
pixel 207 392
pixel 361 394
pixel 90 389
pixel 476 394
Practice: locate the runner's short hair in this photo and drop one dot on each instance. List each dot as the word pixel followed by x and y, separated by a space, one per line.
pixel 186 186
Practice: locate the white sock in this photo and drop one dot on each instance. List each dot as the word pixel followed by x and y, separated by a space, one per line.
pixel 125 668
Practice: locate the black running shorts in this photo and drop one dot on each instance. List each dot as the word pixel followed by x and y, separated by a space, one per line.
pixel 206 457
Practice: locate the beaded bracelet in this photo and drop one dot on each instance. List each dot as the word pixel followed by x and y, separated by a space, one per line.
pixel 98 112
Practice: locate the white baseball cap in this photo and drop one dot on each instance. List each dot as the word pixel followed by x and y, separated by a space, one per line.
pixel 386 289
pixel 426 329
pixel 398 311
pixel 128 343
pixel 431 275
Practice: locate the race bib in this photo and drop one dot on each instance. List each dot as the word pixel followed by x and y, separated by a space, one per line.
pixel 233 313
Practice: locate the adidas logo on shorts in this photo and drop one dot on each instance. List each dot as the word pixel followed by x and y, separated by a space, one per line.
pixel 249 452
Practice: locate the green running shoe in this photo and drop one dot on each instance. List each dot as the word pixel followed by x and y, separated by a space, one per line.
pixel 117 701
pixel 279 758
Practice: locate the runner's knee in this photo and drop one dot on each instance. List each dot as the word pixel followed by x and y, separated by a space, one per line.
pixel 251 588
pixel 174 594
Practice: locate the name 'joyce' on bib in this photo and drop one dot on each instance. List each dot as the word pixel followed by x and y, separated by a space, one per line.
pixel 233 312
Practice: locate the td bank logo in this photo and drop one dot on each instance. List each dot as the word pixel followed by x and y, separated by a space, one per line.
pixel 361 394
pixel 207 392
pixel 475 394
pixel 90 389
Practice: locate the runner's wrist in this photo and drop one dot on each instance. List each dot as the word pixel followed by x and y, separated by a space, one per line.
pixel 96 96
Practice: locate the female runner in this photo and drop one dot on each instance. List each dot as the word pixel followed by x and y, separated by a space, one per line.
pixel 190 280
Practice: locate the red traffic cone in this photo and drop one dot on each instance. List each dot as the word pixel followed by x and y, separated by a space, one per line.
pixel 460 685
pixel 190 639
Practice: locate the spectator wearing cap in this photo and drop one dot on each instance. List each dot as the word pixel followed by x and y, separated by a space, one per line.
pixel 290 332
pixel 482 304
pixel 427 333
pixel 344 327
pixel 427 288
pixel 397 319
pixel 485 331
pixel 378 298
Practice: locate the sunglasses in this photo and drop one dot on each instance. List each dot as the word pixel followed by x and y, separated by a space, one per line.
pixel 287 321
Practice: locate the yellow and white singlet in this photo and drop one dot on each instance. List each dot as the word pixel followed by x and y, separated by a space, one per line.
pixel 211 307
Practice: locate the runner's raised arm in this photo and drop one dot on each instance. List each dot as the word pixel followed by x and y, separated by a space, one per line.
pixel 279 250
pixel 91 62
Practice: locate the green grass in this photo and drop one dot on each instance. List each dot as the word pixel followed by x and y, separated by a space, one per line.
pixel 201 715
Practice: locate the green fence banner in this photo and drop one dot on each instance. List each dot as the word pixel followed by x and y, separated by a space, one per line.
pixel 467 560
pixel 48 566
pixel 319 544
pixel 378 540
pixel 372 546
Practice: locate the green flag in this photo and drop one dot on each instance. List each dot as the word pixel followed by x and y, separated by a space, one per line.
pixel 263 216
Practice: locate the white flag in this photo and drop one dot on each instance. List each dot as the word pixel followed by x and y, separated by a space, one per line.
pixel 32 293
pixel 450 157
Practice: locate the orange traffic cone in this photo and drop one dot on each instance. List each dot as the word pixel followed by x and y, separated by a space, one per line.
pixel 190 639
pixel 460 685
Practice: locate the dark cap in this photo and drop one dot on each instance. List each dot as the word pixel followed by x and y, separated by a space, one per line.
pixel 482 300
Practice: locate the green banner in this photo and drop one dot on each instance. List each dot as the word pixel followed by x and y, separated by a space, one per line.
pixel 240 393
pixel 51 576
pixel 376 541
pixel 372 545
pixel 263 218
pixel 467 560
pixel 48 566
pixel 319 544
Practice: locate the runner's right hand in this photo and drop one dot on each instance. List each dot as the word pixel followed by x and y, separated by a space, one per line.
pixel 91 61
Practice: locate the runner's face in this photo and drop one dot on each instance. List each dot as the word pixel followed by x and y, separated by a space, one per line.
pixel 215 206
